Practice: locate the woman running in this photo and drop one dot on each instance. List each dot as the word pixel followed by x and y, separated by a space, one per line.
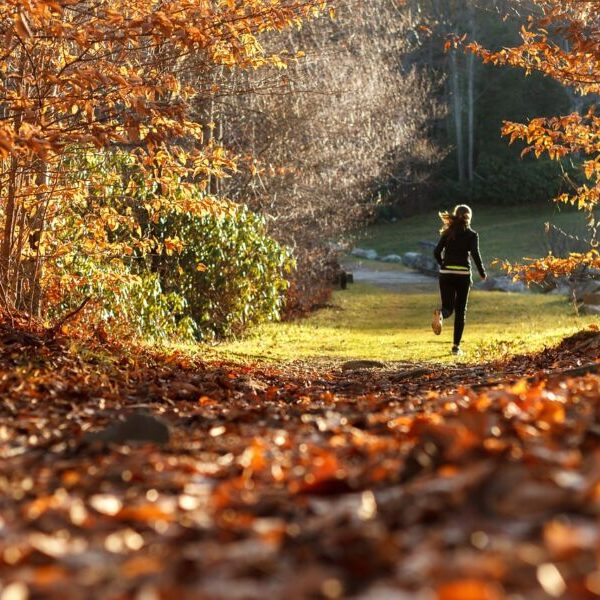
pixel 457 242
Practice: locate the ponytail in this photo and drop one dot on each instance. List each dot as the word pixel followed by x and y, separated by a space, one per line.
pixel 456 222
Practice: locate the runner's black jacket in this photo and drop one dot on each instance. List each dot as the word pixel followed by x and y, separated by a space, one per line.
pixel 453 254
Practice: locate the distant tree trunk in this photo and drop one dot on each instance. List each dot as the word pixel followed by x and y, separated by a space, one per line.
pixel 215 134
pixel 457 113
pixel 471 103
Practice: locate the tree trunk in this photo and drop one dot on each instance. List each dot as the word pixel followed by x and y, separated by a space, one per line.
pixel 32 267
pixel 7 288
pixel 458 118
pixel 7 237
pixel 471 72
pixel 471 118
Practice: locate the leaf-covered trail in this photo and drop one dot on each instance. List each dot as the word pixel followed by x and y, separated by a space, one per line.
pixel 304 483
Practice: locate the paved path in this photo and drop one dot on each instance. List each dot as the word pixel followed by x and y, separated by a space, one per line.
pixel 390 278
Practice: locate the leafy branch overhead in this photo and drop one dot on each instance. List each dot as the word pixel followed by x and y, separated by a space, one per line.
pixel 80 72
pixel 561 43
pixel 83 79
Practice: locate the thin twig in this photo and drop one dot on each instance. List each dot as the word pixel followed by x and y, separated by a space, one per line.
pixel 56 328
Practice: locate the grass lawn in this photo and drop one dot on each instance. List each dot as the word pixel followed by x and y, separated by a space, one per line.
pixel 505 232
pixel 374 323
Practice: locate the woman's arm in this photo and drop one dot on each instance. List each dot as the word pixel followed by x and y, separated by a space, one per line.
pixel 474 250
pixel 438 250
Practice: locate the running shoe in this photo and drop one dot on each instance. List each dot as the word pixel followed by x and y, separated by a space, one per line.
pixel 437 321
pixel 456 350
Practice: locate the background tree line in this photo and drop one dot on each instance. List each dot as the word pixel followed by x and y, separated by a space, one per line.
pixel 479 166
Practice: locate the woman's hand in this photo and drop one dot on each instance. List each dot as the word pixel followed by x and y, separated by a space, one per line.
pixel 483 277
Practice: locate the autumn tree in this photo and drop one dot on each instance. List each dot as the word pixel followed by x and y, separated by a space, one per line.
pixel 81 76
pixel 344 126
pixel 561 41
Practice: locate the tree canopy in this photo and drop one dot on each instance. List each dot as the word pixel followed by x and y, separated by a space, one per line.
pixel 82 76
pixel 561 42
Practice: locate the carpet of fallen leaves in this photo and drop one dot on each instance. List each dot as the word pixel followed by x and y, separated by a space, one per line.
pixel 404 482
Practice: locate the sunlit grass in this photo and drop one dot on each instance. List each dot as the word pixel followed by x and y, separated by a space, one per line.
pixel 369 322
pixel 505 232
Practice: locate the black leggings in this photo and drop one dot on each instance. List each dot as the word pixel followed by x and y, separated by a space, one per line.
pixel 454 290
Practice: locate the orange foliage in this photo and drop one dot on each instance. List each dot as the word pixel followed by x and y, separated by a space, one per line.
pixel 563 44
pixel 103 72
pixel 78 77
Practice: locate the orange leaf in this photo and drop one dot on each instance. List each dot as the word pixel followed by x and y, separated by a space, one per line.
pixel 143 512
pixel 48 575
pixel 469 589
pixel 141 565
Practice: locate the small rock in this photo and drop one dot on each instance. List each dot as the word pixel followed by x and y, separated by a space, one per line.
pixel 411 373
pixel 587 287
pixel 410 259
pixel 503 284
pixel 593 299
pixel 364 253
pixel 392 258
pixel 138 427
pixel 424 263
pixel 353 365
pixel 562 290
pixel 591 309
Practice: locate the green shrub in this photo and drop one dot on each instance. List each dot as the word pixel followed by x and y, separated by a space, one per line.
pixel 231 272
pixel 502 181
pixel 229 275
pixel 152 314
pixel 168 270
pixel 506 180
pixel 129 304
